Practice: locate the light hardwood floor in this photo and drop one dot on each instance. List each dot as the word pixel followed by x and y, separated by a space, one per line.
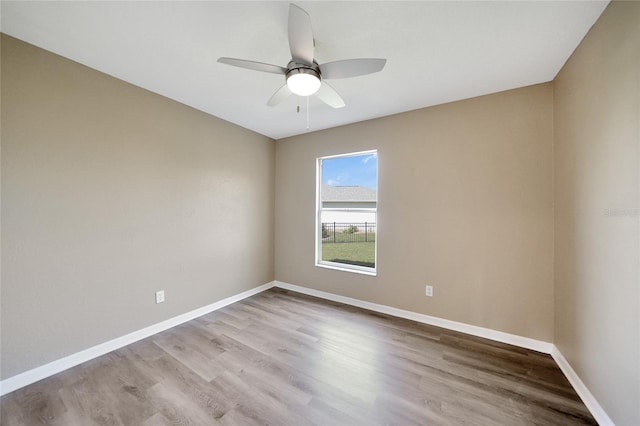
pixel 282 358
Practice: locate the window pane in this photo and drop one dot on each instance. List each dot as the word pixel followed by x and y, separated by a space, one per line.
pixel 347 217
pixel 349 237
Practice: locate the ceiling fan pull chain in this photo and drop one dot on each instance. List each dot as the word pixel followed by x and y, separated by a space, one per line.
pixel 307 113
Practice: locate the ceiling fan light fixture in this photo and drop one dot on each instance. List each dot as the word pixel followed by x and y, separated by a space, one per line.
pixel 303 81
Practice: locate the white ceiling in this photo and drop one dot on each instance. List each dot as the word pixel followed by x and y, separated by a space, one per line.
pixel 437 52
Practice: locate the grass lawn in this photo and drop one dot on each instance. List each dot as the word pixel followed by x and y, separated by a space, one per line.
pixel 362 254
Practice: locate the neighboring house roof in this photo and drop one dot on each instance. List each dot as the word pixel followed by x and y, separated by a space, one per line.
pixel 348 193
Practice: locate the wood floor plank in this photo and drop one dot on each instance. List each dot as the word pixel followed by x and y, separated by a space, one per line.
pixel 283 358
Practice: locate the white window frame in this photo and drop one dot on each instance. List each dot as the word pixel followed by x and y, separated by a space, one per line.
pixel 365 270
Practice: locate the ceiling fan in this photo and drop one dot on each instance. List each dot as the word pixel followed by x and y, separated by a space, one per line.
pixel 303 75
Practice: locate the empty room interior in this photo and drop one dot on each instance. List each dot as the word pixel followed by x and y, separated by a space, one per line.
pixel 186 238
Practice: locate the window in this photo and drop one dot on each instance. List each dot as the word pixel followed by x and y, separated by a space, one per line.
pixel 347 199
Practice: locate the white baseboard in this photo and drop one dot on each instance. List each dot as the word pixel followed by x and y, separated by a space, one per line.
pixel 499 336
pixel 31 376
pixel 587 397
pixel 23 379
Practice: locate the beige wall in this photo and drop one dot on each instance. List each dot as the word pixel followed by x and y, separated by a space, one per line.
pixel 109 193
pixel 465 204
pixel 597 137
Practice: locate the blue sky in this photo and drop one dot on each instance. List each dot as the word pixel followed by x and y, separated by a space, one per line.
pixel 360 170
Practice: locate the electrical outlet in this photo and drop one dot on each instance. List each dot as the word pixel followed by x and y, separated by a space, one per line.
pixel 159 296
pixel 429 291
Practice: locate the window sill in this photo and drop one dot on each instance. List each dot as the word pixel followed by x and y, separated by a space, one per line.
pixel 350 268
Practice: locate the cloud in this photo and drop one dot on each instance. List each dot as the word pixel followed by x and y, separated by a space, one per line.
pixel 368 158
pixel 341 179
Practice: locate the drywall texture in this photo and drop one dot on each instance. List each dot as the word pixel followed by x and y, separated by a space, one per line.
pixel 109 193
pixel 464 204
pixel 597 221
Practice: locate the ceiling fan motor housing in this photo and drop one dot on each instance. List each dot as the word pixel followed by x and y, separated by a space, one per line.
pixel 294 68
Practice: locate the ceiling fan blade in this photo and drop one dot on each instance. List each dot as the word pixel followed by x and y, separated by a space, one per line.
pixel 253 65
pixel 329 96
pixel 351 67
pixel 301 41
pixel 280 95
